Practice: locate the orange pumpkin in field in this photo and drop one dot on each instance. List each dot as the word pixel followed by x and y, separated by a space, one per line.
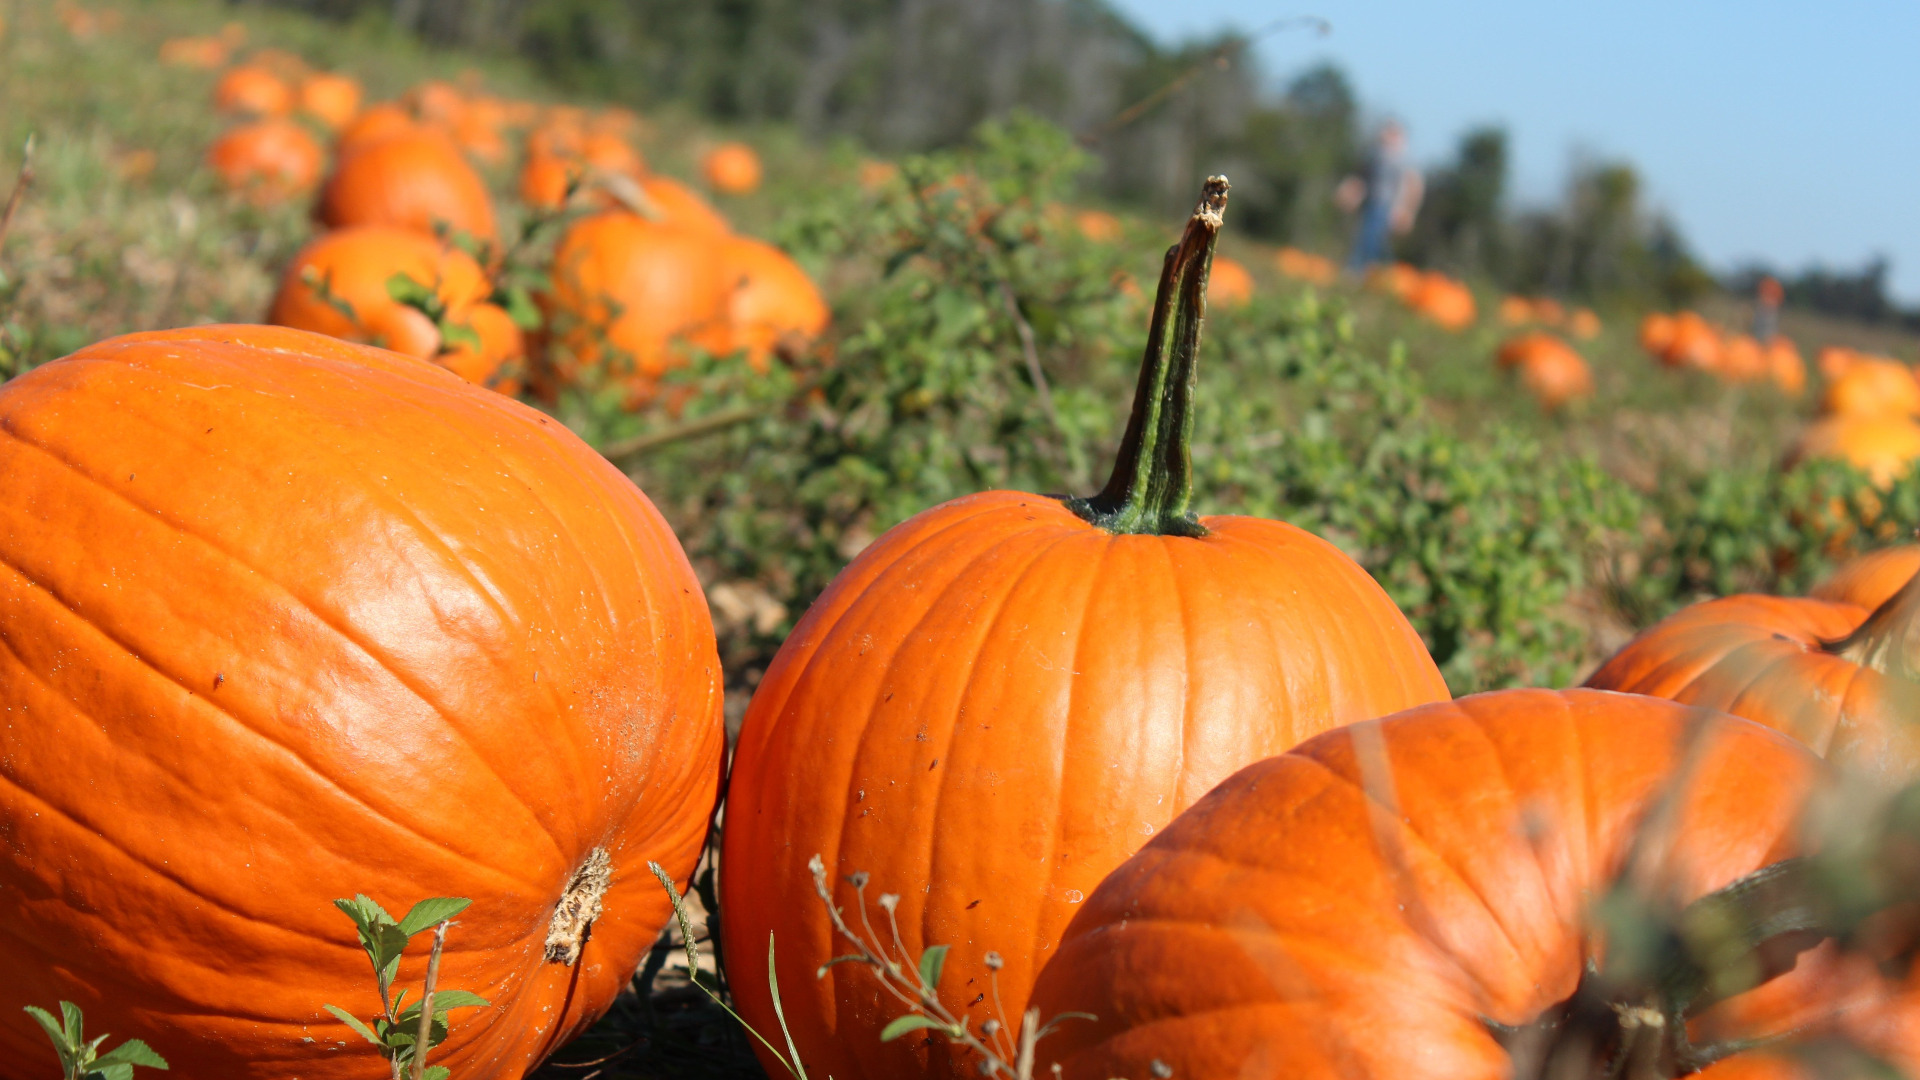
pixel 605 152
pixel 207 53
pixel 545 180
pixel 1389 900
pixel 626 292
pixel 493 357
pixel 732 167
pixel 376 124
pixel 331 98
pixel 1872 386
pixel 1583 324
pixel 1885 446
pixel 1230 284
pixel 1444 301
pixel 416 180
pixel 1548 368
pixel 1064 675
pixel 1656 334
pixel 675 203
pixel 1871 580
pixel 1306 266
pixel 269 160
pixel 1742 359
pixel 772 303
pixel 1694 344
pixel 1785 367
pixel 322 636
pixel 1097 226
pixel 252 91
pixel 1839 677
pixel 350 268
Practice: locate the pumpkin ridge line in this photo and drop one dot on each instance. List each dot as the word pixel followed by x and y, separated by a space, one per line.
pixel 383 662
pixel 1424 923
pixel 218 710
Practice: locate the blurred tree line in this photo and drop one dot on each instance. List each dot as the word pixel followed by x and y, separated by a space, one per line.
pixel 909 75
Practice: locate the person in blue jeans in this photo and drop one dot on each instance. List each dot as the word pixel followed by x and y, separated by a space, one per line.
pixel 1387 197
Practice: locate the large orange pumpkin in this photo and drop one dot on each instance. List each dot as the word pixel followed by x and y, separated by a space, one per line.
pixel 415 180
pixel 331 98
pixel 1370 905
pixel 1871 579
pixel 1836 676
pixel 626 291
pixel 1005 696
pixel 308 619
pixel 674 203
pixel 732 167
pixel 252 90
pixel 772 303
pixel 350 269
pixel 269 160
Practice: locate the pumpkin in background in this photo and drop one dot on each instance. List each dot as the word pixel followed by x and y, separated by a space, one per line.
pixel 1097 226
pixel 1002 698
pixel 479 135
pixel 268 160
pixel 1870 580
pixel 251 90
pixel 1884 446
pixel 1306 266
pixel 1837 676
pixel 626 293
pixel 1785 367
pixel 206 53
pixel 674 203
pixel 1398 280
pixel 493 358
pixel 1548 367
pixel 324 667
pixel 352 266
pixel 1583 324
pixel 1694 344
pixel 1834 360
pixel 1369 905
pixel 1548 311
pixel 376 124
pixel 1516 310
pixel 1742 359
pixel 772 304
pixel 437 102
pixel 331 98
pixel 1445 302
pixel 1230 284
pixel 607 153
pixel 732 167
pixel 414 180
pixel 1656 334
pixel 545 180
pixel 1872 386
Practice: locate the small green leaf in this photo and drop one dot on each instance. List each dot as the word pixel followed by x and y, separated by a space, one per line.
pixel 76 1024
pixel 457 999
pixel 119 1071
pixel 932 962
pixel 436 1072
pixel 910 1022
pixel 404 290
pixel 353 1022
pixel 433 910
pixel 133 1052
pixel 521 308
pixel 451 335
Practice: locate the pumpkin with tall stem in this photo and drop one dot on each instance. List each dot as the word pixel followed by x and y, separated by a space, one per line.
pixel 1005 696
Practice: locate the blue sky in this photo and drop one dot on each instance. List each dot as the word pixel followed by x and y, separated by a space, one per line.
pixel 1789 132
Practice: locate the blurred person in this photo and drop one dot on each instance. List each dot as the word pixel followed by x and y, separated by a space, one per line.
pixel 1766 307
pixel 1387 197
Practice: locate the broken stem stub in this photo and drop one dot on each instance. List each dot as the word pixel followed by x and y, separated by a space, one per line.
pixel 1152 483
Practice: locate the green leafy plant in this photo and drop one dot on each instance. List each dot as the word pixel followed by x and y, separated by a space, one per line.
pixel 80 1058
pixel 404 1033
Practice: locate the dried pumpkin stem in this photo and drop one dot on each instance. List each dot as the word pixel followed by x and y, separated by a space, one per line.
pixel 1889 640
pixel 1152 482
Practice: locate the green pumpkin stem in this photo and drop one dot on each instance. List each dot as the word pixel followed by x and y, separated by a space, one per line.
pixel 1889 641
pixel 1152 482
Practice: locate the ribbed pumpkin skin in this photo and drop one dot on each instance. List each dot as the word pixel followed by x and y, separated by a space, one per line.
pixel 995 705
pixel 1871 579
pixel 1760 657
pixel 415 180
pixel 308 619
pixel 1291 926
pixel 633 287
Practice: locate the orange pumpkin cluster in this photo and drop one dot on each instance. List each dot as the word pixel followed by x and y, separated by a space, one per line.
pixel 1686 340
pixel 1442 300
pixel 1548 367
pixel 1869 416
pixel 1581 323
